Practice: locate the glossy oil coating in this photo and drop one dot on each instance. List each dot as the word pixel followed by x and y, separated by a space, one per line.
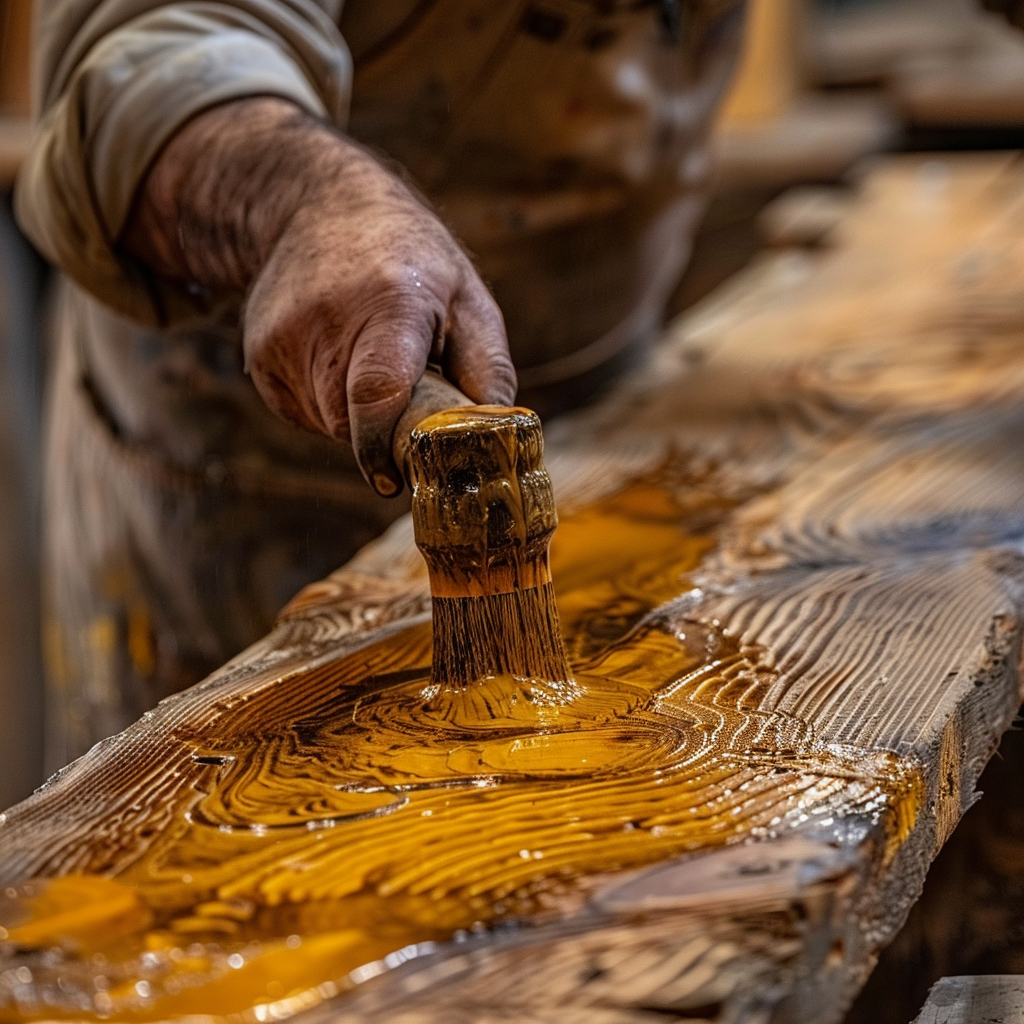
pixel 359 808
pixel 790 584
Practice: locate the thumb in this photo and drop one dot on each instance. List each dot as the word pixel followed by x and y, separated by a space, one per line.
pixel 388 358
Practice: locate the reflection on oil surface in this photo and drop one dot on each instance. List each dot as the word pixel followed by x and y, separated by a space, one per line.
pixel 355 809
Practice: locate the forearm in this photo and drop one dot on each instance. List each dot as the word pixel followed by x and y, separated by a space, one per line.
pixel 217 200
pixel 351 284
pixel 116 81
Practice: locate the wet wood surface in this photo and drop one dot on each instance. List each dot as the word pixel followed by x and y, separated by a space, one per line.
pixel 789 576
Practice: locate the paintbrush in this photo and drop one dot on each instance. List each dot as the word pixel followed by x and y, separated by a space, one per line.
pixel 483 515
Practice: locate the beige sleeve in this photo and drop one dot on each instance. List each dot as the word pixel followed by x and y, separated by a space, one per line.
pixel 115 79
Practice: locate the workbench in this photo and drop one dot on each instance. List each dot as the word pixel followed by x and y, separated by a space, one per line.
pixel 943 64
pixel 837 434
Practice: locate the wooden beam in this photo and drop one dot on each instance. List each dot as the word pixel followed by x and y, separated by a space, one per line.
pixel 865 44
pixel 15 57
pixel 771 70
pixel 772 131
pixel 818 138
pixel 15 136
pixel 788 575
pixel 804 216
pixel 981 85
pixel 944 63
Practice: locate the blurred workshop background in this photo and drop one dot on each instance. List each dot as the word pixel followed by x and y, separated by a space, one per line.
pixel 823 85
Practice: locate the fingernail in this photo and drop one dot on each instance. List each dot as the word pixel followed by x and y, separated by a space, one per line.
pixel 384 485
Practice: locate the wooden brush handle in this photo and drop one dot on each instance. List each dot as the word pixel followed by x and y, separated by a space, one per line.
pixel 482 506
pixel 432 394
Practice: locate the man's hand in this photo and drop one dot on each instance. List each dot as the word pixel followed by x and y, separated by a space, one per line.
pixel 352 283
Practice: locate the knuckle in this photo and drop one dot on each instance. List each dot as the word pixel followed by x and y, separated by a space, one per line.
pixel 492 329
pixel 425 274
pixel 376 386
pixel 280 398
pixel 482 307
pixel 398 280
pixel 268 370
pixel 338 424
pixel 285 345
pixel 330 396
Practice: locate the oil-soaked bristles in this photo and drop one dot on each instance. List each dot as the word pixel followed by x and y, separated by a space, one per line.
pixel 483 513
pixel 514 634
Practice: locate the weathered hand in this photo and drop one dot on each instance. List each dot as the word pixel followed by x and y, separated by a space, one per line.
pixel 352 283
pixel 363 286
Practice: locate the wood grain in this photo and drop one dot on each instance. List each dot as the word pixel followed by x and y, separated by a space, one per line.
pixel 822 465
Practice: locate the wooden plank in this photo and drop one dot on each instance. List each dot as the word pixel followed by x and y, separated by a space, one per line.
pixel 978 999
pixel 15 135
pixel 981 85
pixel 817 138
pixel 966 919
pixel 771 131
pixel 804 216
pixel 942 62
pixel 791 545
pixel 770 73
pixel 866 43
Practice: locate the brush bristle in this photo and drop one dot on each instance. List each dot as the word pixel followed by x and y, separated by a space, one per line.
pixel 513 634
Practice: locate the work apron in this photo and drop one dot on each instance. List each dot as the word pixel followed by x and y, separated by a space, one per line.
pixel 566 145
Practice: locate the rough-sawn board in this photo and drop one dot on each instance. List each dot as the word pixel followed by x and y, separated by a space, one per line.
pixel 838 433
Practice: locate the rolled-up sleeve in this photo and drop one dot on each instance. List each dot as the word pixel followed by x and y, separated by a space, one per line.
pixel 115 79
